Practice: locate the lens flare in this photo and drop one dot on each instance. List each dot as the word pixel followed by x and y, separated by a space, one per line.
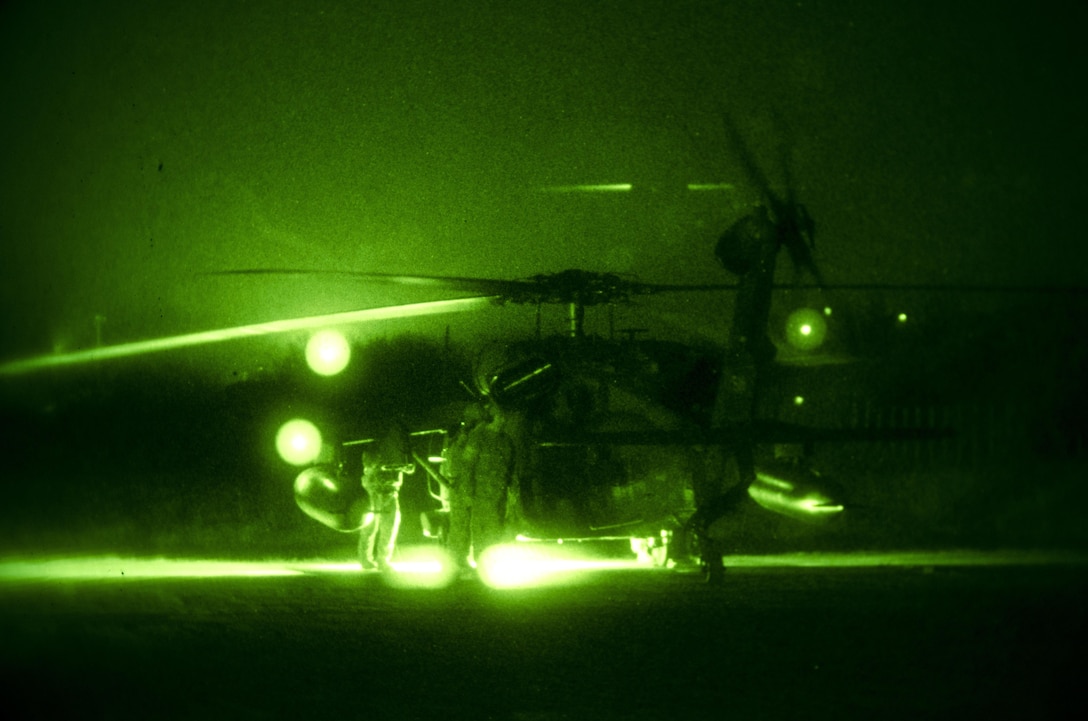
pixel 511 566
pixel 424 567
pixel 522 565
pixel 806 329
pixel 328 352
pixel 298 442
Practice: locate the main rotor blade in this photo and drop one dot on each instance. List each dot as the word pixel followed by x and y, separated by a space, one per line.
pixel 490 286
pixel 648 288
pixel 562 287
pixel 785 134
pixel 748 163
pixel 520 288
pixel 135 348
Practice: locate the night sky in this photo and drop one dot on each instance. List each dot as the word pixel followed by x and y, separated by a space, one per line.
pixel 147 143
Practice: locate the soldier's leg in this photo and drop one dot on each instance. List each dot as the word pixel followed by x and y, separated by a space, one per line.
pixel 367 538
pixel 459 540
pixel 388 527
pixel 488 527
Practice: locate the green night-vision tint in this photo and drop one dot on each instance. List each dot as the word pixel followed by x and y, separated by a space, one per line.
pixel 806 329
pixel 328 352
pixel 136 348
pixel 421 572
pixel 299 442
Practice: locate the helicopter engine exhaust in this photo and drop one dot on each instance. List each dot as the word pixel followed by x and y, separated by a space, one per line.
pixel 796 492
pixel 323 497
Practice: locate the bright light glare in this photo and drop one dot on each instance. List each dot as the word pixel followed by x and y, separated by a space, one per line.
pixel 819 504
pixel 902 317
pixel 298 442
pixel 427 567
pixel 511 566
pixel 49 570
pixel 327 352
pixel 710 186
pixel 806 329
pixel 780 496
pixel 521 565
pixel 589 188
pixel 330 567
pixel 95 568
pixel 246 331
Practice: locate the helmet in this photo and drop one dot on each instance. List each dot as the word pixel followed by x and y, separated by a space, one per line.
pixel 475 412
pixel 392 449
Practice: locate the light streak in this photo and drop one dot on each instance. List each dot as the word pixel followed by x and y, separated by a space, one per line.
pixel 135 348
pixel 14 571
pixel 589 188
pixel 696 187
pixel 103 568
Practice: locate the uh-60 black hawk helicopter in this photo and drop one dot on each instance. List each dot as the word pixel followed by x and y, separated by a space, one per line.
pixel 636 438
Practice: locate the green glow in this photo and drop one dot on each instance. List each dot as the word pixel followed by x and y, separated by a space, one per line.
pixel 819 505
pixel 775 482
pixel 827 310
pixel 798 400
pixel 327 352
pixel 14 571
pixel 599 188
pixel 328 567
pixel 29 365
pixel 112 567
pixel 521 565
pixel 910 558
pixel 298 442
pixel 902 317
pixel 427 567
pixel 510 566
pixel 780 496
pixel 806 329
pixel 710 186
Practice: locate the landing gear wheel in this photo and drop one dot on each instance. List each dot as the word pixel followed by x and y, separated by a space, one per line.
pixel 710 553
pixel 713 569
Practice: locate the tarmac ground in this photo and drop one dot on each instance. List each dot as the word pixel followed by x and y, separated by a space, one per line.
pixel 922 635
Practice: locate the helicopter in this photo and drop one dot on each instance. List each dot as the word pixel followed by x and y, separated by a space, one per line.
pixel 633 438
